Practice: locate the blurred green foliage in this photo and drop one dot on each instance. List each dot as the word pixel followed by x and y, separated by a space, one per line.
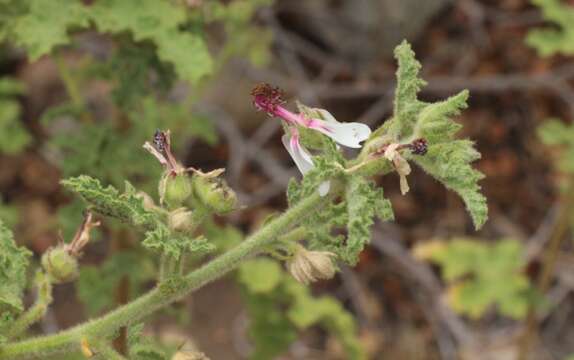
pixel 13 136
pixel 480 275
pixel 558 38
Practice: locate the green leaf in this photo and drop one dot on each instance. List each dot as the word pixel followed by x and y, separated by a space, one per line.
pixel 174 244
pixel 97 285
pixel 127 207
pixel 559 38
pixel 161 23
pixel 282 307
pixel 260 275
pixel 448 160
pixel 13 135
pixel 482 275
pixel 13 264
pixel 46 25
pixel 362 199
pixel 406 105
pixel 449 163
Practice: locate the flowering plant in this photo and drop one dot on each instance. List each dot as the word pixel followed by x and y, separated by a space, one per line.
pixel 328 220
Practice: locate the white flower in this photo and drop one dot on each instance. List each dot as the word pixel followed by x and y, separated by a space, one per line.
pixel 347 134
pixel 301 157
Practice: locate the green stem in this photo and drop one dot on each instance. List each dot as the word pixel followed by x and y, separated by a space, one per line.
pixel 36 311
pixel 165 293
pixel 105 351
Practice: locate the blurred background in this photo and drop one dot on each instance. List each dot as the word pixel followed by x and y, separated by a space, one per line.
pixel 87 102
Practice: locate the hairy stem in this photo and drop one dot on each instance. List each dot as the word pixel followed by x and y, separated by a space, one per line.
pixel 165 293
pixel 36 311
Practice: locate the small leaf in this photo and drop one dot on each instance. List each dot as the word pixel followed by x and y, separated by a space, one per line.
pixel 108 201
pixel 260 275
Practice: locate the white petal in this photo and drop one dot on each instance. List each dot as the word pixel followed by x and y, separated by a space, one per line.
pixel 324 188
pixel 301 158
pixel 327 116
pixel 346 134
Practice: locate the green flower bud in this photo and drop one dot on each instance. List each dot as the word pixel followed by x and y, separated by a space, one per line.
pixel 214 193
pixel 175 189
pixel 60 264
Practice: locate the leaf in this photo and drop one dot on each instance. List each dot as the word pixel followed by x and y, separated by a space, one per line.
pixel 481 275
pixel 260 275
pixel 449 163
pixel 13 136
pixel 159 22
pixel 406 104
pixel 559 38
pixel 13 264
pixel 362 199
pixel 282 307
pixel 127 207
pixel 174 244
pixel 46 25
pixel 448 160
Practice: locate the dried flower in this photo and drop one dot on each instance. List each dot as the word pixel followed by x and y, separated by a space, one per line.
pixel 181 220
pixel 61 262
pixel 401 165
pixel 309 266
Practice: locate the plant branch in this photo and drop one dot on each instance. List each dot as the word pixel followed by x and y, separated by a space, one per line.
pixel 36 311
pixel 165 293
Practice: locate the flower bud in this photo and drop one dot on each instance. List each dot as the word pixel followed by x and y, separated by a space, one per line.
pixel 181 220
pixel 214 193
pixel 175 189
pixel 309 266
pixel 60 264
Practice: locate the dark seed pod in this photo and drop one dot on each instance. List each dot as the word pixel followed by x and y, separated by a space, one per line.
pixel 419 146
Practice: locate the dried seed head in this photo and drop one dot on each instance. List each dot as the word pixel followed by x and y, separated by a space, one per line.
pixel 180 220
pixel 309 266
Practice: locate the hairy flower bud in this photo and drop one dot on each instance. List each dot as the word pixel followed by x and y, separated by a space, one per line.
pixel 213 192
pixel 309 266
pixel 181 220
pixel 60 264
pixel 175 189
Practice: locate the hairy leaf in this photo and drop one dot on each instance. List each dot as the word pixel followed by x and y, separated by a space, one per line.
pixel 174 244
pixel 13 264
pixel 448 160
pixel 362 199
pixel 108 201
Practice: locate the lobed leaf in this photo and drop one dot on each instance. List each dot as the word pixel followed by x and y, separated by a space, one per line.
pixel 559 38
pixel 14 262
pixel 108 201
pixel 448 160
